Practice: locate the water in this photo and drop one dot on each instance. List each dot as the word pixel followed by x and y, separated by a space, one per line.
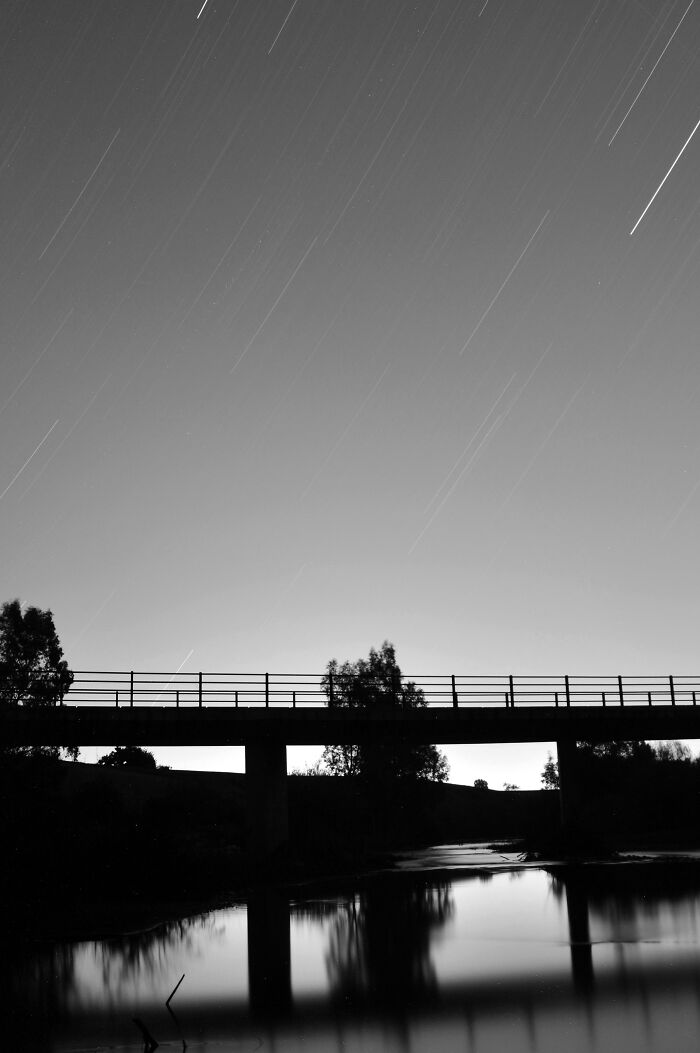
pixel 428 957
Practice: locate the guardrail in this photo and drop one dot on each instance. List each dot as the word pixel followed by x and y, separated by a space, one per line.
pixel 303 690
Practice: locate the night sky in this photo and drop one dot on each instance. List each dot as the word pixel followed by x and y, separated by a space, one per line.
pixel 323 323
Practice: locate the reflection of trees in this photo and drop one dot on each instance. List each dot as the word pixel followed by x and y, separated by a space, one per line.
pixel 625 899
pixel 138 956
pixel 39 982
pixel 36 984
pixel 379 948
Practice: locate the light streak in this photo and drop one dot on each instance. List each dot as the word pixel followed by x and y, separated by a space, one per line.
pixel 664 179
pixel 496 424
pixel 92 620
pixel 65 439
pixel 87 184
pixel 17 474
pixel 388 134
pixel 502 286
pixel 248 346
pixel 283 25
pixel 281 596
pixel 652 71
pixel 543 444
pixel 167 682
pixel 498 421
pixel 213 273
pixel 344 432
pixel 202 7
pixel 682 508
pixel 35 363
pixel 568 57
pixel 465 451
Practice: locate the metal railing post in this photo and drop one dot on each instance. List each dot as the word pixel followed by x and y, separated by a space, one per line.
pixel 331 696
pixel 116 699
pixel 649 696
pixel 177 700
pixel 603 697
pixel 294 700
pixel 512 693
pixel 200 690
pixel 556 699
pixel 620 691
pixel 267 689
pixel 568 693
pixel 455 700
pixel 673 691
pixel 131 688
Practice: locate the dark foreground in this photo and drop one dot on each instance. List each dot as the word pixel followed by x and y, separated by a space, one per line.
pixel 93 849
pixel 451 948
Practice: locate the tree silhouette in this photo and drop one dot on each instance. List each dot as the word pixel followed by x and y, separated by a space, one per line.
pixel 33 672
pixel 550 774
pixel 377 681
pixel 133 757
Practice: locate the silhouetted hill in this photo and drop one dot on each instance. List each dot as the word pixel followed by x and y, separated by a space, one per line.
pixel 80 831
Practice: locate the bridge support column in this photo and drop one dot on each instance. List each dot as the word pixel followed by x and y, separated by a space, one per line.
pixel 266 790
pixel 569 784
pixel 269 953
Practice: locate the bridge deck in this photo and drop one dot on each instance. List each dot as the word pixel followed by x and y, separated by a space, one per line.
pixel 239 726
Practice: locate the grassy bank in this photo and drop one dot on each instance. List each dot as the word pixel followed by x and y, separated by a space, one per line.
pixel 79 837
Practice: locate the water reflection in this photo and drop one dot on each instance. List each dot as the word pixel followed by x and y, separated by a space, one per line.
pixel 379 947
pixel 124 960
pixel 575 891
pixel 269 953
pixel 589 957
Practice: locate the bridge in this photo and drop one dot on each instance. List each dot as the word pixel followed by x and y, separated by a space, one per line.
pixel 266 712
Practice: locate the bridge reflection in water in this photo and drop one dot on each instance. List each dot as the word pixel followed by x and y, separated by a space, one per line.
pixel 523 960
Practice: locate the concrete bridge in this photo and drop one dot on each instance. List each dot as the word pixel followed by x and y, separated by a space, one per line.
pixel 265 713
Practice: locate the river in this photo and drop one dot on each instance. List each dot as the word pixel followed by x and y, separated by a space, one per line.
pixel 453 948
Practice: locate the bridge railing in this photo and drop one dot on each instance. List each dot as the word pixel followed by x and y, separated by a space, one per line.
pixel 304 690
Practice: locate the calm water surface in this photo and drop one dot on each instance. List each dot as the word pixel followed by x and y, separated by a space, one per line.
pixel 592 958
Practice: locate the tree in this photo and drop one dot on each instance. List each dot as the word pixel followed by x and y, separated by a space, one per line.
pixel 372 681
pixel 312 769
pixel 617 750
pixel 133 757
pixel 480 784
pixel 33 672
pixel 510 786
pixel 550 774
pixel 672 752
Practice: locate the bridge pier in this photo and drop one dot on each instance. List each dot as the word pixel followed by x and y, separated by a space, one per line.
pixel 569 784
pixel 266 789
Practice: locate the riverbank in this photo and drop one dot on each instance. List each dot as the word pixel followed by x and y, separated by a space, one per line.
pixel 93 850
